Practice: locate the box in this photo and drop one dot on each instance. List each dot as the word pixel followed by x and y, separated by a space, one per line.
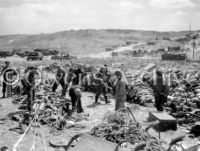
pixel 166 122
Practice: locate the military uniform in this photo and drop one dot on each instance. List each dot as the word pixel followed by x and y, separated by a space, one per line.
pixel 102 86
pixel 120 91
pixel 7 73
pixel 78 72
pixel 60 77
pixel 28 87
pixel 75 94
pixel 160 92
pixel 4 81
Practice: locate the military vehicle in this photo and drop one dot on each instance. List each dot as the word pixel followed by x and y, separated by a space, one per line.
pixel 34 56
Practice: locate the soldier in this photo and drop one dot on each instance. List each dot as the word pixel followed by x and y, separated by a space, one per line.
pixel 100 79
pixel 3 73
pixel 106 69
pixel 120 91
pixel 28 83
pixel 161 90
pixel 75 94
pixel 69 78
pixel 78 76
pixel 60 79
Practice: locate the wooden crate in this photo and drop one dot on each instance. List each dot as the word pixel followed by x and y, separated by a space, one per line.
pixel 166 122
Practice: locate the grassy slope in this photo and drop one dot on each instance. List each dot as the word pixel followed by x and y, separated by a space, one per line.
pixel 80 41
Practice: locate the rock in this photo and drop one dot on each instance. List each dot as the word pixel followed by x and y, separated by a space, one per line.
pixel 195 99
pixel 197 91
pixel 58 142
pixel 170 98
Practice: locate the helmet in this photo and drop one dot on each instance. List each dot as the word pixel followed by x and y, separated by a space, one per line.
pixel 118 73
pixel 159 72
pixel 102 70
pixel 78 92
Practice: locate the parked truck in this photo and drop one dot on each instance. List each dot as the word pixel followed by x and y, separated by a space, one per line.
pixel 4 54
pixel 34 56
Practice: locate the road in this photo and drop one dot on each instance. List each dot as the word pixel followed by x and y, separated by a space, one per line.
pixel 109 53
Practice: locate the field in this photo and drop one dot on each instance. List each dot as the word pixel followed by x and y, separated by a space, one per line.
pixel 96 112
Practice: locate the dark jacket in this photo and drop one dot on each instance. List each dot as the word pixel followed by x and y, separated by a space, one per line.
pixel 161 88
pixel 60 74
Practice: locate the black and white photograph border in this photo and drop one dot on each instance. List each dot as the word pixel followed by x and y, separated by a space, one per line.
pixel 100 75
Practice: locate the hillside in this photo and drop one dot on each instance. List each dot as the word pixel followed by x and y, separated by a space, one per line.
pixel 80 41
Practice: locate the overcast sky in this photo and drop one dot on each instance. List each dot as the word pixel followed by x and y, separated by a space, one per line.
pixel 44 16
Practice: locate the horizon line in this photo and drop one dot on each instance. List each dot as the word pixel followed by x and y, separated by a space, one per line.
pixel 41 33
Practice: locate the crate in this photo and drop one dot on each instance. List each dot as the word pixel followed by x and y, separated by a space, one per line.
pixel 166 122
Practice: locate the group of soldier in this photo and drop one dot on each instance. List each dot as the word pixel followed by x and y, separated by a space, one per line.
pixel 71 82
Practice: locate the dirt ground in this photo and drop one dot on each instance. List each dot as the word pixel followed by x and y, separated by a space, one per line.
pixel 96 112
pixel 8 138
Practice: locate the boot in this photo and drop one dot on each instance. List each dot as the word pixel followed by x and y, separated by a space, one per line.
pixel 3 95
pixel 106 99
pixel 96 99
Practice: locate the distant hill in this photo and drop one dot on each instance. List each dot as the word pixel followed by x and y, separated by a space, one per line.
pixel 81 41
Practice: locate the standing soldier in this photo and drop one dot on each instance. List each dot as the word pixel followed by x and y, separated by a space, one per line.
pixel 28 83
pixel 120 91
pixel 3 73
pixel 60 79
pixel 78 76
pixel 100 79
pixel 106 69
pixel 161 90
pixel 69 78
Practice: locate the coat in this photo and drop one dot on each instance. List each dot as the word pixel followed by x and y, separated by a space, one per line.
pixel 120 94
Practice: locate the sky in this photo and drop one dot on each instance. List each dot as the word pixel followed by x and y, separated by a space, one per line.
pixel 47 16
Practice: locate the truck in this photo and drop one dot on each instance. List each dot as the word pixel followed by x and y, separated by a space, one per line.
pixel 174 56
pixel 4 54
pixel 63 57
pixel 56 57
pixel 34 56
pixel 47 52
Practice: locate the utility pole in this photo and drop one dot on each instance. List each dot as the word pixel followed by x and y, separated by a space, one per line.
pixel 193 39
pixel 193 46
pixel 193 43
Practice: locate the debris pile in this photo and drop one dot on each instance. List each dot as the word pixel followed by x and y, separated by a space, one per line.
pixel 118 127
pixel 52 110
pixel 140 93
pixel 184 96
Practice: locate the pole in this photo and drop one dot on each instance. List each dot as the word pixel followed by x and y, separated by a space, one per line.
pixel 193 47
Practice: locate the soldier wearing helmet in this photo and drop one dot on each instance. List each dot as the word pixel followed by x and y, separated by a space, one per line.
pixel 161 90
pixel 120 91
pixel 76 94
pixel 3 73
pixel 100 80
pixel 60 79
pixel 28 83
